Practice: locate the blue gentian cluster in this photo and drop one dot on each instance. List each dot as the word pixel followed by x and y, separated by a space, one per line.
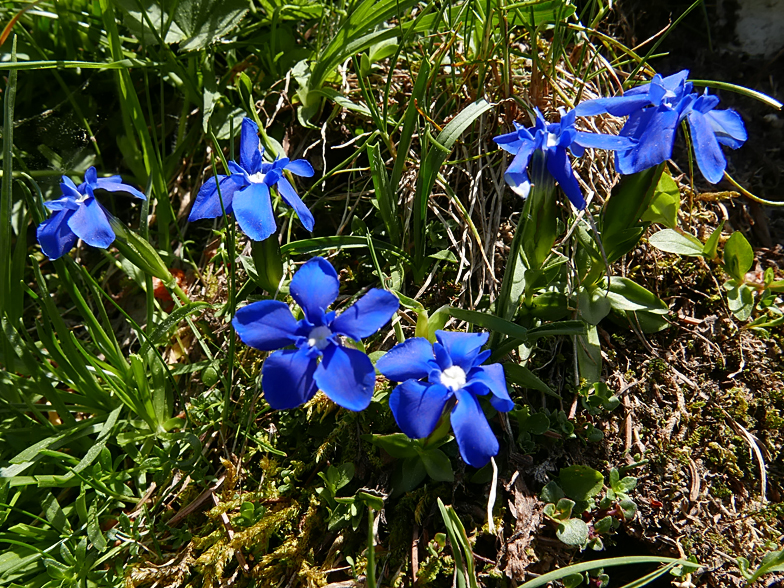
pixel 436 381
pixel 290 377
pixel 78 215
pixel 447 375
pixel 245 192
pixel 655 110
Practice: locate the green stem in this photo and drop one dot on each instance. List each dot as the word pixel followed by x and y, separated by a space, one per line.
pixel 371 556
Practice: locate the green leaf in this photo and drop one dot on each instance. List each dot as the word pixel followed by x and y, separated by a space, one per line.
pixel 604 525
pixel 672 241
pixel 94 527
pixel 589 355
pixel 384 193
pixel 437 465
pixel 628 507
pixel 195 25
pixel 738 256
pixel 444 255
pixel 593 304
pixel 665 203
pixel 536 424
pixel 710 250
pixel 341 100
pixel 55 515
pixel 522 376
pixel 552 492
pixel 409 473
pixel 178 315
pixel 573 532
pixel 373 501
pixel 598 564
pixel 623 210
pixel 626 294
pixel 740 300
pixel 267 263
pixel 397 445
pixel 534 13
pixel 580 482
pixel 490 322
pixel 298 10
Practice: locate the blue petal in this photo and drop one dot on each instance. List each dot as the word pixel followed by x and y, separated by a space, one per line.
pixel 250 152
pixel 253 210
pixel 655 131
pixel 417 407
pixel 728 127
pixel 516 174
pixel 315 286
pixel 69 189
pixel 707 151
pixel 208 202
pixel 266 325
pixel 606 142
pixel 291 198
pixel 443 361
pixel 64 203
pixel 492 377
pixel 463 348
pixel 367 315
pixel 410 360
pixel 567 121
pixel 301 167
pixel 112 185
pixel 287 378
pixel 347 376
pixel 674 81
pixel 55 236
pixel 475 438
pixel 91 175
pixel 90 224
pixel 617 106
pixel 509 142
pixel 561 169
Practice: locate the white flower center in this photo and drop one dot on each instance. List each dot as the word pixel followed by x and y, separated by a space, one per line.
pixel 257 178
pixel 552 139
pixel 318 337
pixel 453 377
pixel 83 198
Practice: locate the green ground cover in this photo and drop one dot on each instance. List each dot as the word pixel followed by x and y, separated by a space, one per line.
pixel 638 334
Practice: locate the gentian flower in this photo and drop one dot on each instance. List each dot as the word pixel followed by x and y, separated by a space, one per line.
pixel 455 379
pixel 246 191
pixel 552 139
pixel 655 110
pixel 78 215
pixel 290 377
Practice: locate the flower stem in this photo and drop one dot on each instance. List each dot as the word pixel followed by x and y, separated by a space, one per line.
pixel 370 572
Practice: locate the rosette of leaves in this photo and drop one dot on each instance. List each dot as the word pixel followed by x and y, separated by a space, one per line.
pixel 580 515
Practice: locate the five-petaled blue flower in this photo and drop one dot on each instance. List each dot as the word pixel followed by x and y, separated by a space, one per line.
pixel 246 191
pixel 78 215
pixel 290 377
pixel 455 379
pixel 552 139
pixel 656 109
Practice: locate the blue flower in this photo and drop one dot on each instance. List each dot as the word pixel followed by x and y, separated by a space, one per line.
pixel 246 191
pixel 655 110
pixel 552 139
pixel 78 215
pixel 455 380
pixel 290 377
